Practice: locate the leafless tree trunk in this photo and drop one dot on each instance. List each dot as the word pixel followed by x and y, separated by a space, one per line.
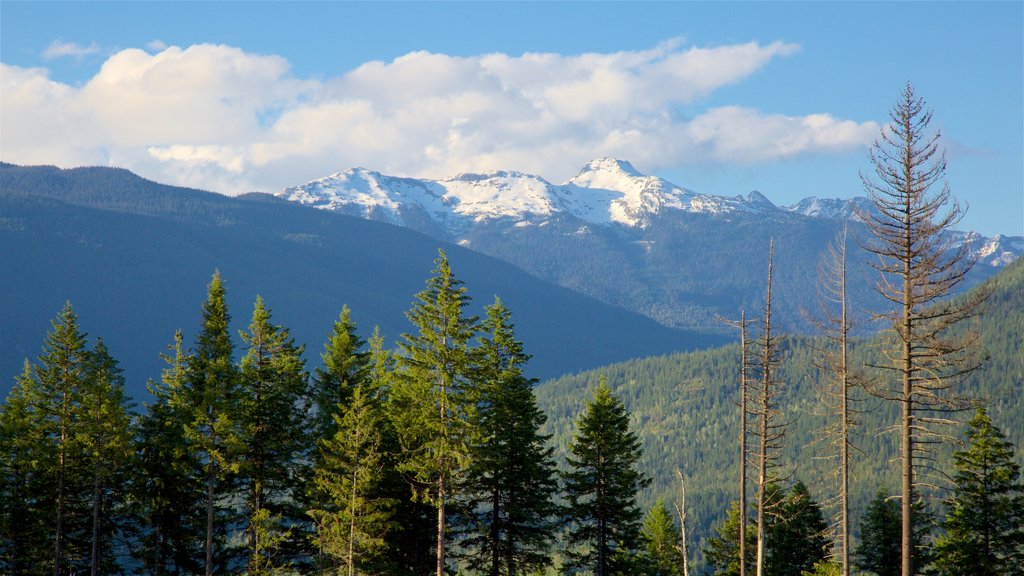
pixel 770 430
pixel 681 511
pixel 919 266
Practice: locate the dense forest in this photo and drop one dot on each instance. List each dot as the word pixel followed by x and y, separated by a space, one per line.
pixel 444 455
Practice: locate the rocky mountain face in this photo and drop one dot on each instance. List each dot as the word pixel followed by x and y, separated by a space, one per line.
pixel 632 240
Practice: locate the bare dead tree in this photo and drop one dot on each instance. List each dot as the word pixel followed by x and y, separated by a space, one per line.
pixel 681 511
pixel 770 428
pixel 832 358
pixel 919 267
pixel 745 412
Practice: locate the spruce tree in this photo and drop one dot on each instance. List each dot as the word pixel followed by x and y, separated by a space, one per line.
pixel 351 528
pixel 432 395
pixel 60 380
pixel 211 402
pixel 879 548
pixel 25 490
pixel 722 552
pixel 796 536
pixel 105 436
pixel 601 485
pixel 345 366
pixel 272 442
pixel 511 479
pixel 661 544
pixel 985 519
pixel 168 490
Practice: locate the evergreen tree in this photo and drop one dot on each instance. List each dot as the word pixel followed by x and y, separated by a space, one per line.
pixel 25 503
pixel 345 366
pixel 985 520
pixel 601 486
pixel 879 548
pixel 272 387
pixel 722 552
pixel 105 436
pixel 211 402
pixel 168 490
pixel 432 394
pixel 351 529
pixel 60 380
pixel 796 537
pixel 511 479
pixel 660 537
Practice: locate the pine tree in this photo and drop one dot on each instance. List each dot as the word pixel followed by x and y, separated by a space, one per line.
pixel 168 490
pixel 985 520
pixel 919 266
pixel 432 394
pixel 879 548
pixel 272 387
pixel 660 537
pixel 601 486
pixel 351 529
pixel 511 479
pixel 105 436
pixel 211 402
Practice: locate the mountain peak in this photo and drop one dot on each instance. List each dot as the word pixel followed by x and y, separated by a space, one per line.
pixel 759 200
pixel 612 165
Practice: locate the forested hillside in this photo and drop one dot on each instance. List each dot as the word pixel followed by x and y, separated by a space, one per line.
pixel 685 408
pixel 133 257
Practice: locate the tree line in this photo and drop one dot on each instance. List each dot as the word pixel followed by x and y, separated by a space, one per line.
pixel 430 458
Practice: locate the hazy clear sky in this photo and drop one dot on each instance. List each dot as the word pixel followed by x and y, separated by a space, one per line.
pixel 721 97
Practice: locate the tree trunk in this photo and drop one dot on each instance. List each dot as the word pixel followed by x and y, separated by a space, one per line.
pixel 209 522
pixel 94 562
pixel 743 444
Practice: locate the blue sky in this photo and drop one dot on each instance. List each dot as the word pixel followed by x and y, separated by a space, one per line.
pixel 721 98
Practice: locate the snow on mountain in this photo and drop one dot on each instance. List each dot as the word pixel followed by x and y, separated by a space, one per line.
pixel 605 191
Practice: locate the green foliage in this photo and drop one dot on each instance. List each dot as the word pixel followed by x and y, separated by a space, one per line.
pixel 662 552
pixel 357 515
pixel 272 429
pixel 345 366
pixel 167 490
pixel 510 483
pixel 722 552
pixel 796 540
pixel 601 486
pixel 985 518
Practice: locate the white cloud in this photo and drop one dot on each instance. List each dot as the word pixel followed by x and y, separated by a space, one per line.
pixel 59 49
pixel 219 118
pixel 156 45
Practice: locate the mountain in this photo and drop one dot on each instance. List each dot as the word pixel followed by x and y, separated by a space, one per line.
pixel 634 241
pixel 134 258
pixel 684 408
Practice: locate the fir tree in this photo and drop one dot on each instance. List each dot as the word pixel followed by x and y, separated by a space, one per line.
pixel 25 503
pixel 60 380
pixel 796 537
pixel 601 486
pixel 661 544
pixel 105 436
pixel 511 479
pixel 210 400
pixel 168 490
pixel 879 548
pixel 985 520
pixel 351 529
pixel 272 386
pixel 345 366
pixel 432 395
pixel 722 552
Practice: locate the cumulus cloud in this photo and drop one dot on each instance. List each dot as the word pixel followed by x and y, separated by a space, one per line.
pixel 219 118
pixel 59 49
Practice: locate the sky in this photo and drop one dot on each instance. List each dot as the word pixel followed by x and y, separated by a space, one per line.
pixel 719 97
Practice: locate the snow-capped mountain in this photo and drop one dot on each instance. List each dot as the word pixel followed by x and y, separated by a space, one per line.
pixel 631 240
pixel 604 191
